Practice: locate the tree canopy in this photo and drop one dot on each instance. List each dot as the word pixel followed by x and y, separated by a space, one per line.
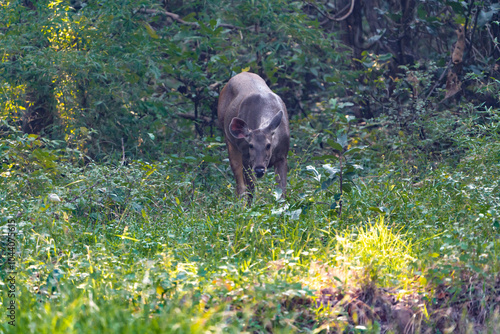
pixel 102 75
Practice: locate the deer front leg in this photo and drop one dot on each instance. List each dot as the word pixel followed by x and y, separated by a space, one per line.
pixel 281 169
pixel 236 161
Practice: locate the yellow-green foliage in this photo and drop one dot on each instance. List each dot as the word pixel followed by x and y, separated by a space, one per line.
pixel 377 247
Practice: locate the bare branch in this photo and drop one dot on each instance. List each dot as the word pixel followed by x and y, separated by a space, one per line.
pixel 192 117
pixel 438 81
pixel 173 16
pixel 327 15
pixel 123 152
pixel 178 19
pixel 492 37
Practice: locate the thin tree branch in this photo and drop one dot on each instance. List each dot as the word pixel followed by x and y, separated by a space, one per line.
pixel 178 19
pixel 439 80
pixel 492 37
pixel 474 27
pixel 192 117
pixel 123 152
pixel 173 16
pixel 332 17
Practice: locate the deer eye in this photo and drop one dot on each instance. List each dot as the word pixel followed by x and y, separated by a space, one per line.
pixel 268 146
pixel 251 146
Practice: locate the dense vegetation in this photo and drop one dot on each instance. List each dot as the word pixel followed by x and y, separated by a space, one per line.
pixel 116 178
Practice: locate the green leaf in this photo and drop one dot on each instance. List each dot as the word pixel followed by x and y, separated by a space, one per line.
pixel 458 7
pixel 214 24
pixel 349 118
pixel 277 193
pixel 338 279
pixel 346 187
pixel 333 103
pixel 325 157
pixel 376 209
pixel 486 16
pixel 375 38
pixel 332 170
pixel 208 158
pixel 335 145
pixel 317 176
pixel 385 57
pixel 342 140
pixel 354 150
pixel 326 184
pixel 151 32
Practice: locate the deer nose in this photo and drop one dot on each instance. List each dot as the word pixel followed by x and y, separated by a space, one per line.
pixel 259 171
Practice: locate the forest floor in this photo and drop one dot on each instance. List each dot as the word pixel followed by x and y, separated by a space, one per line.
pixel 165 247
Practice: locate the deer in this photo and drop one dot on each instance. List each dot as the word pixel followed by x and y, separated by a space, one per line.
pixel 255 124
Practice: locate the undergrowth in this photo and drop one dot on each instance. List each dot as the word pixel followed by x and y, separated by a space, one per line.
pixel 166 247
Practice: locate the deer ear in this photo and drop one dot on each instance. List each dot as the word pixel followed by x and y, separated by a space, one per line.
pixel 239 128
pixel 275 122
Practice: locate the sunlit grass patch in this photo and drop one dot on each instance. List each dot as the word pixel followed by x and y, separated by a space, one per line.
pixel 378 248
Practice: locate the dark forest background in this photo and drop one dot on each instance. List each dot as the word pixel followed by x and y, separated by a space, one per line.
pixel 141 78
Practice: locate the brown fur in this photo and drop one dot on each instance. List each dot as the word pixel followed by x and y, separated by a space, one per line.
pixel 255 125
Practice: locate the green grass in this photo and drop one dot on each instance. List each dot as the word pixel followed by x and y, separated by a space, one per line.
pixel 166 248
